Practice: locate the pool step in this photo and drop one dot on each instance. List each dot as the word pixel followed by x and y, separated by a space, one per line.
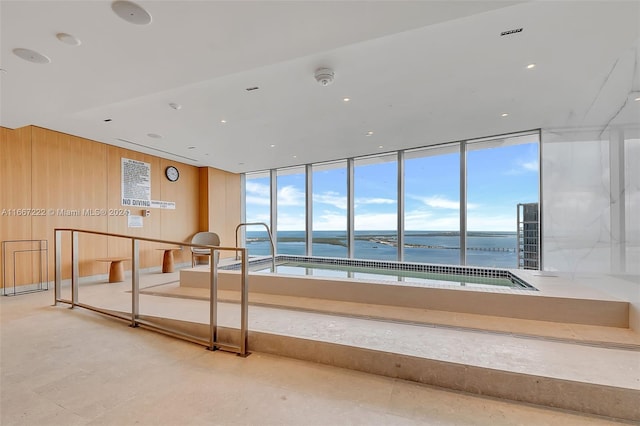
pixel 594 335
pixel 603 336
pixel 594 380
pixel 556 302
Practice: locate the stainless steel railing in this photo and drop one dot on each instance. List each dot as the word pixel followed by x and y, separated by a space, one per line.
pixel 212 342
pixel 273 247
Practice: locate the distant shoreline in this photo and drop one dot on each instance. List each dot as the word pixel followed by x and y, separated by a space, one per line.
pixel 388 234
pixel 391 241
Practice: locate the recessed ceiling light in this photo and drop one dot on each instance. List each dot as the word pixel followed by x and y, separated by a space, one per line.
pixel 272 146
pixel 295 156
pixel 531 66
pixel 31 56
pixel 346 99
pixel 68 39
pixel 154 135
pixel 175 106
pixel 223 121
pixel 106 120
pixel 131 12
pixel 369 133
pixel 504 114
pixel 380 146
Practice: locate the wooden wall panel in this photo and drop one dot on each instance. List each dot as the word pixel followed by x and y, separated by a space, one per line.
pixel 15 177
pixel 71 178
pixel 232 204
pixel 203 199
pixel 179 224
pixel 220 204
pixel 68 178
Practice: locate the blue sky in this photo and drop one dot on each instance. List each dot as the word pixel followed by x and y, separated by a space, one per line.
pixel 497 180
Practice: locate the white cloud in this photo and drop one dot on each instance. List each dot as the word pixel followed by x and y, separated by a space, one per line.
pixel 523 167
pixel 329 221
pixel 290 196
pixel 441 202
pixel 257 201
pixel 257 193
pixel 424 220
pixel 376 222
pixel 259 217
pixel 291 222
pixel 360 201
pixel 257 189
pixel 332 198
pixel 491 223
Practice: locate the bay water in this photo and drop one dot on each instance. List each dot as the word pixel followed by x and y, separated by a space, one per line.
pixel 493 249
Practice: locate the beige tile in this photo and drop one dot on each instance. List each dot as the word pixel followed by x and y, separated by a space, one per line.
pixel 25 407
pixel 438 407
pixel 61 366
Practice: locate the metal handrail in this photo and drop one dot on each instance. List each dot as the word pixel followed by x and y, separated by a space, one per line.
pixel 273 246
pixel 212 342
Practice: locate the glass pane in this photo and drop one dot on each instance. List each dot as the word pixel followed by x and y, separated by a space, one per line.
pixel 501 174
pixel 291 225
pixel 432 205
pixel 330 209
pixel 258 209
pixel 376 207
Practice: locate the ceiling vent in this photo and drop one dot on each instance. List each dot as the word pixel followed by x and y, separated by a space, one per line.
pixel 324 76
pixel 509 32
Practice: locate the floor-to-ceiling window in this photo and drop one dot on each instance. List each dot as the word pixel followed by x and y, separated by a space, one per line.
pixel 375 207
pixel 291 211
pixel 257 209
pixel 330 209
pixel 444 206
pixel 432 205
pixel 501 173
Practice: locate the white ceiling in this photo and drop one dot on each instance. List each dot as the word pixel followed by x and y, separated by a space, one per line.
pixel 417 73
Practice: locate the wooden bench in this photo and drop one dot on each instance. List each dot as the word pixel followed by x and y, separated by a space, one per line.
pixel 116 269
pixel 167 258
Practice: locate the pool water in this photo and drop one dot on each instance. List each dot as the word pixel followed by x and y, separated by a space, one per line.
pixel 390 276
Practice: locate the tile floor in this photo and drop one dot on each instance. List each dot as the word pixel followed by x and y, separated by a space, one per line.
pixel 75 367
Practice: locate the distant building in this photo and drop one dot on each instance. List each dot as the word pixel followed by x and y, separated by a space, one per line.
pixel 528 236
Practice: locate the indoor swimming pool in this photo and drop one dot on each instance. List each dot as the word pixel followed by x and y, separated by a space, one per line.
pixel 385 272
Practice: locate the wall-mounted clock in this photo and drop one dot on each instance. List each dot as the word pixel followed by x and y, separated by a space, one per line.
pixel 172 173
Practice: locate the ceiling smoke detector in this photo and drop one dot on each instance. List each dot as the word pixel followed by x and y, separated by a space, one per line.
pixel 131 12
pixel 324 76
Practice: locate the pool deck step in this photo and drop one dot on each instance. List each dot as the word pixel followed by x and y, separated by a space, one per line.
pixel 603 336
pixel 588 379
pixel 556 300
pixel 573 375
